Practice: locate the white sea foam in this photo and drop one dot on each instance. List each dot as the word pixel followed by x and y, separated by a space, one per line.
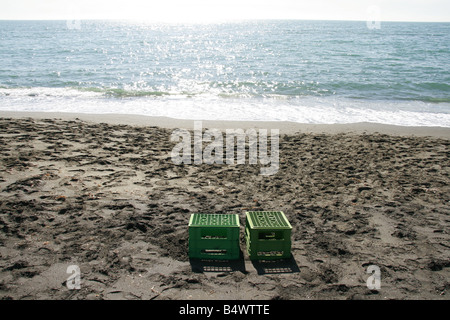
pixel 210 107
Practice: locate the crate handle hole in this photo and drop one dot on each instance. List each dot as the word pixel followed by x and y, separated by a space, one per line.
pixel 214 251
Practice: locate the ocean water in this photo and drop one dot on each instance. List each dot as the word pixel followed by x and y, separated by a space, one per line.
pixel 301 71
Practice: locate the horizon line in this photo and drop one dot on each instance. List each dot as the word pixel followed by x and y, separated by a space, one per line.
pixel 210 22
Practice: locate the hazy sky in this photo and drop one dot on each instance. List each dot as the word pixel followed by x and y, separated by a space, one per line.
pixel 216 10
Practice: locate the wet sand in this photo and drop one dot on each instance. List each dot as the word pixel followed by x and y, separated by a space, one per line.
pixel 101 192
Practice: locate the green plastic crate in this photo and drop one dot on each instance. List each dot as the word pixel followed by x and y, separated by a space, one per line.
pixel 214 236
pixel 267 235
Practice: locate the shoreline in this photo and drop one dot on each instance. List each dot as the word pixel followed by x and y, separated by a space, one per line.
pixel 285 127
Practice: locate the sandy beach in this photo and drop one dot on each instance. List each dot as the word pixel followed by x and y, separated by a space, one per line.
pixel 101 192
